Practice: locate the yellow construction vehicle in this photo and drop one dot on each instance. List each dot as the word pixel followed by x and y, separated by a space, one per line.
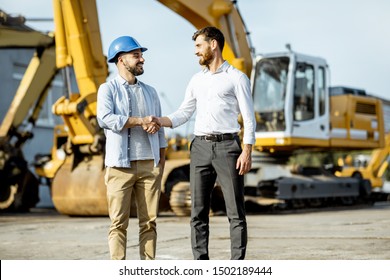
pixel 297 111
pixel 18 185
pixel 372 165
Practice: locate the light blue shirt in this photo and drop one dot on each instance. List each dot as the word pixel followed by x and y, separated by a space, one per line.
pixel 218 99
pixel 113 111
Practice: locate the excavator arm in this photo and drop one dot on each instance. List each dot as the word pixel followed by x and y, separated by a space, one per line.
pixel 41 70
pixel 15 34
pixel 77 184
pixel 19 187
pixel 225 15
pixel 78 46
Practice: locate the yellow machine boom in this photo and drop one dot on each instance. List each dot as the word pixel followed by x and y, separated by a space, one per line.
pixel 18 185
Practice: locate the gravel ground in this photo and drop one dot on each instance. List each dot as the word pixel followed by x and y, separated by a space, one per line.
pixel 334 234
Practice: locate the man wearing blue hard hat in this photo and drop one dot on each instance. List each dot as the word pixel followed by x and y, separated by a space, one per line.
pixel 135 148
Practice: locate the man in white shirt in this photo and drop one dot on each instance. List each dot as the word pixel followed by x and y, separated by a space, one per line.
pixel 219 93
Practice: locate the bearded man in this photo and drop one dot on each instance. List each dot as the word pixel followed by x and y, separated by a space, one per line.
pixel 219 93
pixel 135 148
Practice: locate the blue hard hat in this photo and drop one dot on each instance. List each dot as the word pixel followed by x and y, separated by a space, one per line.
pixel 123 44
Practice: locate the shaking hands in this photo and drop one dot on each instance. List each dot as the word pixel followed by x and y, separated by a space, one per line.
pixel 151 124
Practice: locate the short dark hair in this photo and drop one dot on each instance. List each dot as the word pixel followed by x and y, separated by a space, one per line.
pixel 211 32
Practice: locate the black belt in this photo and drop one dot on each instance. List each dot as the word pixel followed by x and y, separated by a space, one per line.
pixel 217 137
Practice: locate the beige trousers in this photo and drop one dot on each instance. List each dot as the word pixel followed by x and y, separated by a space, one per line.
pixel 144 181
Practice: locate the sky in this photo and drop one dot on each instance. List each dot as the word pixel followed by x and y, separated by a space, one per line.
pixel 353 36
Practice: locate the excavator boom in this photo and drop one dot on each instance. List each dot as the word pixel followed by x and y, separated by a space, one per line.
pixel 78 185
pixel 225 15
pixel 18 186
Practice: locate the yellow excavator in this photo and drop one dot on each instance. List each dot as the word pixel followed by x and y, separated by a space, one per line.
pixel 18 185
pixel 298 112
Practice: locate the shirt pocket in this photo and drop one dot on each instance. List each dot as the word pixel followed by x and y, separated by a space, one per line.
pixel 121 103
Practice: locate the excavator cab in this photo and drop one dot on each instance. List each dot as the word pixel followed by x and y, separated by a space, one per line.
pixel 295 110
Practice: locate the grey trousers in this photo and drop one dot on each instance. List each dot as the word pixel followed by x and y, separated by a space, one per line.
pixel 210 160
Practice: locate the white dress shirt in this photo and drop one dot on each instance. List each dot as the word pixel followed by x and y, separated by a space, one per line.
pixel 218 99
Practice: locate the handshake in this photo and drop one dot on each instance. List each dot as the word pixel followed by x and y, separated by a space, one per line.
pixel 151 124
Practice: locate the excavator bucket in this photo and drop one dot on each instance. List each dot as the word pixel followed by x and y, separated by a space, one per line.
pixel 79 189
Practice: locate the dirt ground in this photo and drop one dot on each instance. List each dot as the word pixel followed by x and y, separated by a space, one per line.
pixel 336 234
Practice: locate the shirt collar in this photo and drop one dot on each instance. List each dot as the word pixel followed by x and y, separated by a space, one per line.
pixel 223 68
pixel 123 81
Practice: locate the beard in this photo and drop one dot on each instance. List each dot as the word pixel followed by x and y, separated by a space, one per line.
pixel 134 70
pixel 206 58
